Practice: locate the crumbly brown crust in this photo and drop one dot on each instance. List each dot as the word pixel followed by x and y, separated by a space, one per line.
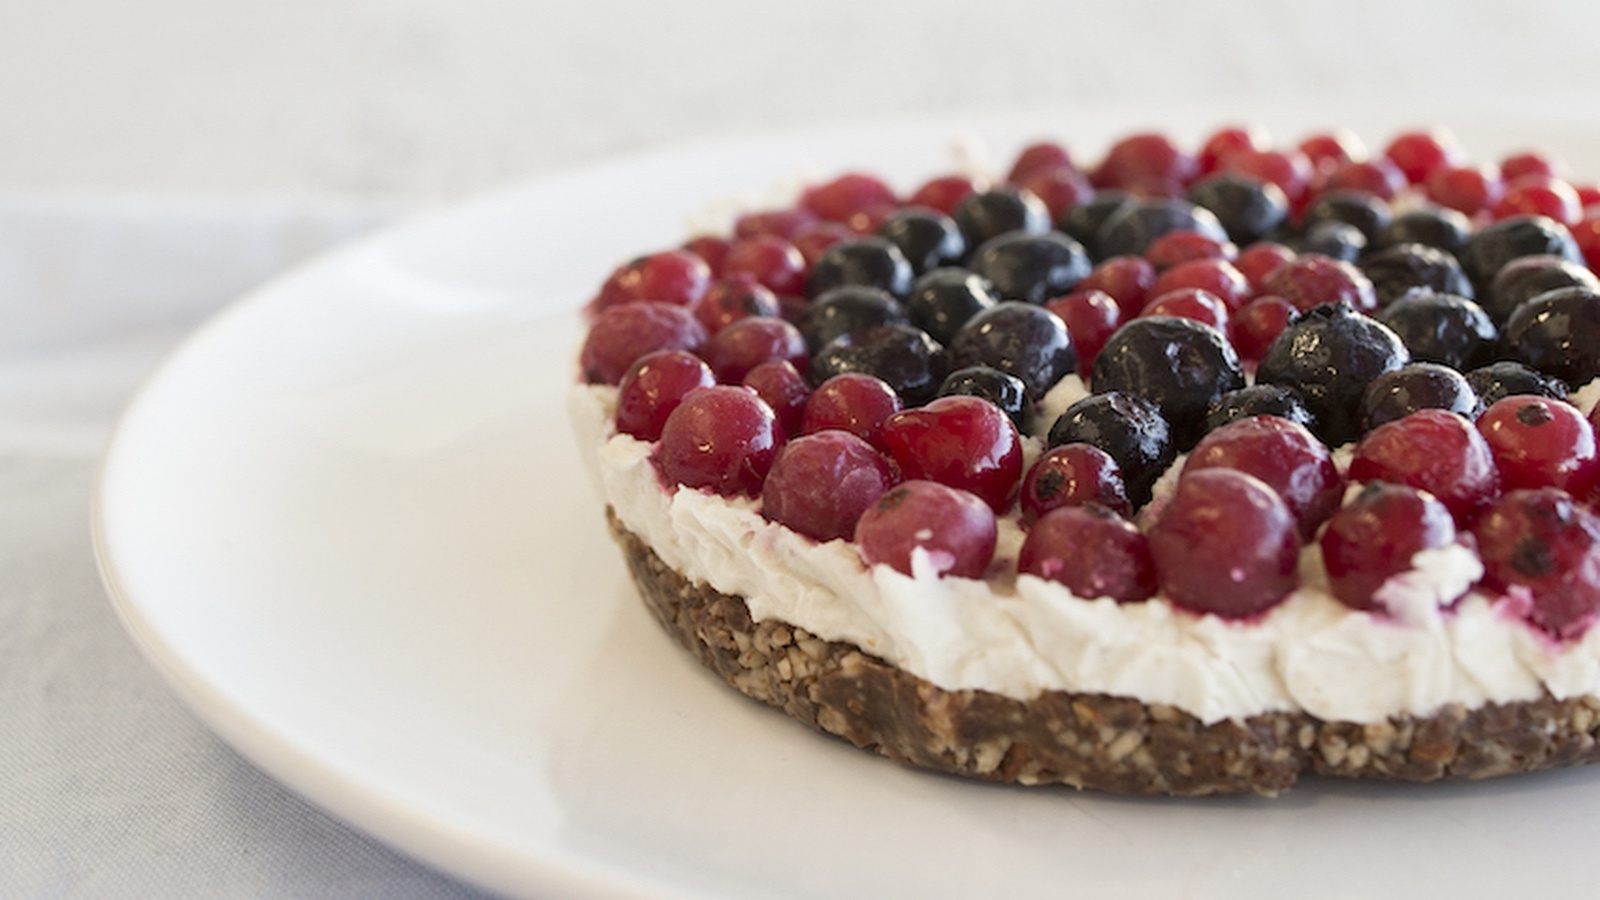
pixel 1096 741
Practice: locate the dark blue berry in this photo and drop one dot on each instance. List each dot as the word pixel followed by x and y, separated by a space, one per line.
pixel 1506 378
pixel 1500 242
pixel 1403 267
pixel 1395 395
pixel 928 239
pixel 1031 267
pixel 1133 227
pixel 1249 209
pixel 869 261
pixel 1258 400
pixel 995 386
pixel 846 309
pixel 943 300
pixel 1082 222
pixel 989 214
pixel 1339 240
pixel 1530 276
pixel 1329 355
pixel 1128 429
pixel 1435 226
pixel 1442 328
pixel 905 357
pixel 1181 366
pixel 1019 339
pixel 1558 333
pixel 1367 212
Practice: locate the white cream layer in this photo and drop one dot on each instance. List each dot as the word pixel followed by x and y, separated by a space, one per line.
pixel 1019 636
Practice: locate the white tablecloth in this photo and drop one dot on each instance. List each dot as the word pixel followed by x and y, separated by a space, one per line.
pixel 108 787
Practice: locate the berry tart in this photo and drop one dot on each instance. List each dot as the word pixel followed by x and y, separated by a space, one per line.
pixel 1189 471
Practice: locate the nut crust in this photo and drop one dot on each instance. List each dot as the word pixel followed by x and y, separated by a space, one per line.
pixel 1095 741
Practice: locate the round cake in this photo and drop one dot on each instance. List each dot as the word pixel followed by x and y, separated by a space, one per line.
pixel 1180 472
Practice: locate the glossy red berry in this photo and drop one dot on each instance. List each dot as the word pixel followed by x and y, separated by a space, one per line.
pixel 711 248
pixel 817 238
pixel 654 386
pixel 1416 153
pixel 1290 170
pixel 730 299
pixel 1540 195
pixel 1375 536
pixel 1128 279
pixel 1543 550
pixel 1225 544
pixel 1190 303
pixel 1186 245
pixel 747 343
pixel 960 441
pixel 1377 176
pixel 621 335
pixel 1147 163
pixel 782 223
pixel 1586 233
pixel 1091 550
pixel 852 402
pixel 944 193
pixel 722 438
pixel 1312 280
pixel 1072 475
pixel 784 389
pixel 1285 455
pixel 1435 451
pixel 1058 189
pixel 820 484
pixel 770 260
pixel 1226 142
pixel 838 199
pixel 1091 317
pixel 1216 276
pixel 1330 150
pixel 677 277
pixel 1042 156
pixel 955 529
pixel 1539 442
pixel 1532 162
pixel 1260 260
pixel 1258 324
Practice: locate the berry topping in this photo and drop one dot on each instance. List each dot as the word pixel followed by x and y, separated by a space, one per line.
pixel 621 335
pixel 1470 189
pixel 1544 550
pixel 1556 333
pixel 1335 240
pixel 1091 318
pixel 1247 208
pixel 1527 277
pixel 843 197
pixel 1043 156
pixel 1257 261
pixel 963 442
pixel 905 357
pixel 769 260
pixel 1177 247
pixel 1258 400
pixel 1442 328
pixel 1419 152
pixel 1226 142
pixel 1397 394
pixel 869 261
pixel 674 276
pixel 1136 224
pixel 783 223
pixel 995 386
pixel 747 343
pixel 1434 226
pixel 1058 189
pixel 1404 267
pixel 846 309
pixel 1019 339
pixel 820 484
pixel 1128 279
pixel 1285 455
pixel 784 389
pixel 1497 381
pixel 723 438
pixel 852 402
pixel 1072 475
pixel 1329 356
pixel 1031 267
pixel 1539 442
pixel 1216 276
pixel 1487 251
pixel 1093 552
pixel 928 239
pixel 729 300
pixel 1540 195
pixel 1191 303
pixel 1181 366
pixel 1129 430
pixel 1082 223
pixel 943 300
pixel 1375 536
pixel 1314 280
pixel 1377 176
pixel 1225 544
pixel 1435 451
pixel 955 529
pixel 1148 164
pixel 989 214
pixel 944 193
pixel 1258 324
pixel 654 387
pixel 1367 213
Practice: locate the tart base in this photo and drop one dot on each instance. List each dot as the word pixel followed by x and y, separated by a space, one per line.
pixel 1093 741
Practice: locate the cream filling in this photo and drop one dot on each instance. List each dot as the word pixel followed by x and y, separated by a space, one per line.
pixel 1019 636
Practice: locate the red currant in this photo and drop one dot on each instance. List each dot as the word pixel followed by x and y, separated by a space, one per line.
pixel 1285 455
pixel 1072 475
pixel 1091 318
pixel 1435 451
pixel 1225 544
pixel 747 343
pixel 853 402
pixel 654 387
pixel 622 334
pixel 961 441
pixel 955 529
pixel 820 484
pixel 678 277
pixel 1374 537
pixel 1539 442
pixel 723 438
pixel 1544 550
pixel 1093 552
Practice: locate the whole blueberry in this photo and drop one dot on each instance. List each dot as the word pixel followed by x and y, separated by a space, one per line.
pixel 1129 430
pixel 1400 268
pixel 1397 394
pixel 1031 267
pixel 927 238
pixel 988 214
pixel 1527 277
pixel 995 386
pixel 1181 366
pixel 869 261
pixel 1435 226
pixel 845 309
pixel 1558 333
pixel 1442 328
pixel 1329 355
pixel 1248 208
pixel 1082 222
pixel 1258 400
pixel 943 300
pixel 1507 378
pixel 903 356
pixel 1367 212
pixel 1133 227
pixel 1500 242
pixel 1339 240
pixel 1019 339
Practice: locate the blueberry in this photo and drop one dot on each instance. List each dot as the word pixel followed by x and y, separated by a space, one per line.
pixel 928 239
pixel 1019 339
pixel 1366 211
pixel 1397 394
pixel 1527 277
pixel 1329 355
pixel 989 214
pixel 1558 333
pixel 1339 240
pixel 1506 378
pixel 1129 430
pixel 1442 328
pixel 1500 242
pixel 1031 267
pixel 1435 226
pixel 995 386
pixel 870 261
pixel 1248 209
pixel 905 357
pixel 1180 365
pixel 1082 222
pixel 1130 230
pixel 845 309
pixel 1258 400
pixel 1398 269
pixel 943 300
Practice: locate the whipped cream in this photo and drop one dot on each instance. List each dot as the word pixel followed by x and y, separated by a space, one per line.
pixel 1022 635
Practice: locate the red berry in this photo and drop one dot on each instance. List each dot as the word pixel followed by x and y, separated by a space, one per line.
pixel 1312 280
pixel 817 238
pixel 1285 455
pixel 782 223
pixel 1377 176
pixel 1291 171
pixel 820 484
pixel 1226 142
pixel 1147 163
pixel 1416 153
pixel 1091 318
pixel 654 387
pixel 1043 156
pixel 961 441
pixel 1375 536
pixel 1544 551
pixel 1587 234
pixel 1225 544
pixel 723 438
pixel 770 260
pixel 845 196
pixel 1435 451
pixel 1093 551
pixel 1059 189
pixel 731 299
pixel 1333 149
pixel 944 193
pixel 1469 188
pixel 1218 276
pixel 1072 475
pixel 672 276
pixel 784 389
pixel 1260 260
pixel 1190 303
pixel 747 343
pixel 1588 195
pixel 955 529
pixel 853 402
pixel 1531 162
pixel 1184 245
pixel 711 248
pixel 1539 442
pixel 622 334
pixel 1259 323
pixel 1538 195
pixel 1128 279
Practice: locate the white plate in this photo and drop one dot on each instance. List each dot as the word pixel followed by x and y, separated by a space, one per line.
pixel 347 522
